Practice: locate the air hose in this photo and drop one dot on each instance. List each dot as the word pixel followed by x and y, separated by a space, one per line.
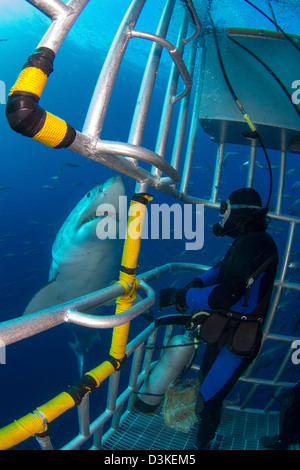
pixel 287 36
pixel 269 70
pixel 253 134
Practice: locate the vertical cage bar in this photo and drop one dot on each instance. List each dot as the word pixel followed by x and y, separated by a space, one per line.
pixel 146 89
pixel 84 416
pixel 218 173
pixel 277 377
pixel 135 368
pixel 99 103
pixel 168 106
pixel 183 115
pixel 249 396
pixel 113 390
pixel 97 441
pixel 281 182
pixel 193 131
pixel 44 443
pixel 287 254
pixel 251 170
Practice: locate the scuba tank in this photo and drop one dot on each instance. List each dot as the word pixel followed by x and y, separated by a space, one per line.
pixel 167 369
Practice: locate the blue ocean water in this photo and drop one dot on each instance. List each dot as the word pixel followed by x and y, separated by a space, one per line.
pixel 40 186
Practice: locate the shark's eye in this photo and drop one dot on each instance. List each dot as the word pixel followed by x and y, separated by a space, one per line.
pixel 88 194
pixel 100 190
pixel 105 214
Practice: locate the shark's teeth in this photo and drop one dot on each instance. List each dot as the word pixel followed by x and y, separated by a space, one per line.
pixel 100 216
pixel 89 219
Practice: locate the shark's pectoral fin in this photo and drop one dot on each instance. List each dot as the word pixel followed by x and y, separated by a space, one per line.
pixel 46 297
pixel 84 340
pixel 79 356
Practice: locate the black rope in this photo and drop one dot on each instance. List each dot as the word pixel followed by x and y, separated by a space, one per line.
pixel 270 71
pixel 287 36
pixel 247 134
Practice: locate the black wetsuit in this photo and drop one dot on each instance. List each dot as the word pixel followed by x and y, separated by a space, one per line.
pixel 224 288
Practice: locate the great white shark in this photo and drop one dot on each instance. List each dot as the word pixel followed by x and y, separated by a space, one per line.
pixel 81 262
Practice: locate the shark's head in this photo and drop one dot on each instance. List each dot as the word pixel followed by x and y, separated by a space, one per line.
pixel 77 238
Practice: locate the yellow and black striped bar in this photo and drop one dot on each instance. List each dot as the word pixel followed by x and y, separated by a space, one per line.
pixel 23 112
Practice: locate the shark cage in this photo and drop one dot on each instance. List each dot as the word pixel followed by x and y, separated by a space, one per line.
pixel 218 82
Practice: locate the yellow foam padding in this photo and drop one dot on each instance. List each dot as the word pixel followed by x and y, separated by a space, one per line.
pixel 101 372
pixel 19 431
pixel 57 406
pixel 132 243
pixel 249 122
pixel 130 256
pixel 52 132
pixel 32 80
pixel 120 333
pixel 119 341
pixel 32 423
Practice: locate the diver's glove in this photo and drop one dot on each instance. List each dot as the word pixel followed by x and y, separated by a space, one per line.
pixel 177 297
pixel 170 297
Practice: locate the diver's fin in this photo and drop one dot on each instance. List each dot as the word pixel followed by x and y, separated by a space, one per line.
pixel 46 297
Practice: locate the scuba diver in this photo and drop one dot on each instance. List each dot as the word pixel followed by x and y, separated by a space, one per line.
pixel 231 300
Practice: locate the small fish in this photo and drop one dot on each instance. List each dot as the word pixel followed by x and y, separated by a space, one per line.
pixel 182 253
pixel 2 188
pixel 8 255
pixel 227 155
pixel 292 171
pixel 294 204
pixel 28 252
pixel 258 164
pixel 209 168
pixel 294 265
pixel 230 154
pixel 48 186
pixel 273 167
pixel 296 185
pixel 72 165
pixel 285 303
pixel 50 225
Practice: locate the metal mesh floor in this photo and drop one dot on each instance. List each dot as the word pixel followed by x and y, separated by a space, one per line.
pixel 238 430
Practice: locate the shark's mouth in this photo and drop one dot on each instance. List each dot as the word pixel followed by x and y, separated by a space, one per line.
pixel 90 219
pixel 99 216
